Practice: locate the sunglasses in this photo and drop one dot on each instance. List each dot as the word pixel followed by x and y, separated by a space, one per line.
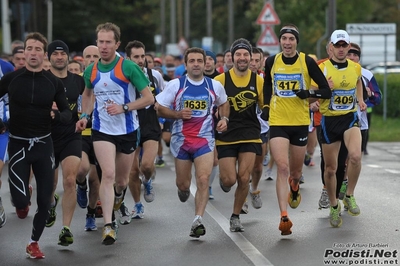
pixel 343 44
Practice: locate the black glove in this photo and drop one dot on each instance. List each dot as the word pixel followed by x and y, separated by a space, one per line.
pixel 265 114
pixel 302 94
pixel 89 123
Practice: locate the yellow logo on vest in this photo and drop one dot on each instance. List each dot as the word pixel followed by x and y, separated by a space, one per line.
pixel 243 100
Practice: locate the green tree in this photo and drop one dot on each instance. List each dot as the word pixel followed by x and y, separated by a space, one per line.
pixel 75 21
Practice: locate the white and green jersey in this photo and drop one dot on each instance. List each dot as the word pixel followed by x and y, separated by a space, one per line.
pixel 115 83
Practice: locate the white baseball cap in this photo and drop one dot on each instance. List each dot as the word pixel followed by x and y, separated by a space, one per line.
pixel 340 35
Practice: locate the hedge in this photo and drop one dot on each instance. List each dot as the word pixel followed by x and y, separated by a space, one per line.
pixel 393 94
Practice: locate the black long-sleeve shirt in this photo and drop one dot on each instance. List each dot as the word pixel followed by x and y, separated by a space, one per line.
pixel 74 86
pixel 31 96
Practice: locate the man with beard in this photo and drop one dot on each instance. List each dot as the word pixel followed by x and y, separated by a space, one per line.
pixel 150 134
pixel 31 145
pixel 67 143
pixel 241 142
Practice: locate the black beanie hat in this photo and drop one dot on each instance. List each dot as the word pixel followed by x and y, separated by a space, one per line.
pixel 240 43
pixel 57 45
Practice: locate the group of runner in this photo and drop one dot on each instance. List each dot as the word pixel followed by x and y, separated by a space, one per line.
pixel 220 122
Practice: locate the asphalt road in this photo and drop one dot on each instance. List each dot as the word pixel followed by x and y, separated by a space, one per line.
pixel 162 237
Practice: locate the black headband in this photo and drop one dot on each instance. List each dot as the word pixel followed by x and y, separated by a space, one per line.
pixel 354 51
pixel 291 31
pixel 240 45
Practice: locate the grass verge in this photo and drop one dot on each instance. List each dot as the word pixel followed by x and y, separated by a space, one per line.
pixel 381 130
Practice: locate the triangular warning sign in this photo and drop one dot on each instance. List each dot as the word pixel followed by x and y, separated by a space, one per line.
pixel 268 38
pixel 268 16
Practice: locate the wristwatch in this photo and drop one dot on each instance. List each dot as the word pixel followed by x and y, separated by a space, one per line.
pixel 125 107
pixel 225 118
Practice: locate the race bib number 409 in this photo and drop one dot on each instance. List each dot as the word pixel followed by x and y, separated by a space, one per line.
pixel 342 100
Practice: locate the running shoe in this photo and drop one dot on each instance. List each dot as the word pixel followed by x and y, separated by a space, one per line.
pixel 285 226
pixel 183 195
pixel 33 251
pixel 118 202
pixel 52 213
pixel 138 211
pixel 224 188
pixel 268 175
pixel 124 215
pixel 351 206
pixel 294 198
pixel 109 235
pixel 3 218
pixel 343 189
pixel 324 199
pixel 197 230
pixel 149 192
pixel 236 225
pixel 22 213
pixel 210 195
pixel 65 238
pixel 255 199
pixel 334 216
pixel 90 223
pixel 266 159
pixel 307 159
pixel 81 197
pixel 160 162
pixel 245 208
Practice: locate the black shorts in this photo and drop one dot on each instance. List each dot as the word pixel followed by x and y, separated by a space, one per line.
pixel 233 150
pixel 149 128
pixel 167 125
pixel 87 147
pixel 297 135
pixel 71 146
pixel 123 143
pixel 333 127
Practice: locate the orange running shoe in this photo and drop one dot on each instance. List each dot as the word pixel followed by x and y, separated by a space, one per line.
pixel 285 225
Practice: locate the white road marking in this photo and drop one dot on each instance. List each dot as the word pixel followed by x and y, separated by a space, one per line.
pixel 392 171
pixel 255 256
pixel 374 166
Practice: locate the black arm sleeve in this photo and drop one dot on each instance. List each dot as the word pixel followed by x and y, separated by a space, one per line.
pixel 365 93
pixel 267 89
pixel 323 92
pixel 62 104
pixel 4 82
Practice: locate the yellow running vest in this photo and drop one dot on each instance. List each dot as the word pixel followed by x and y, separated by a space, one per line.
pixel 286 109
